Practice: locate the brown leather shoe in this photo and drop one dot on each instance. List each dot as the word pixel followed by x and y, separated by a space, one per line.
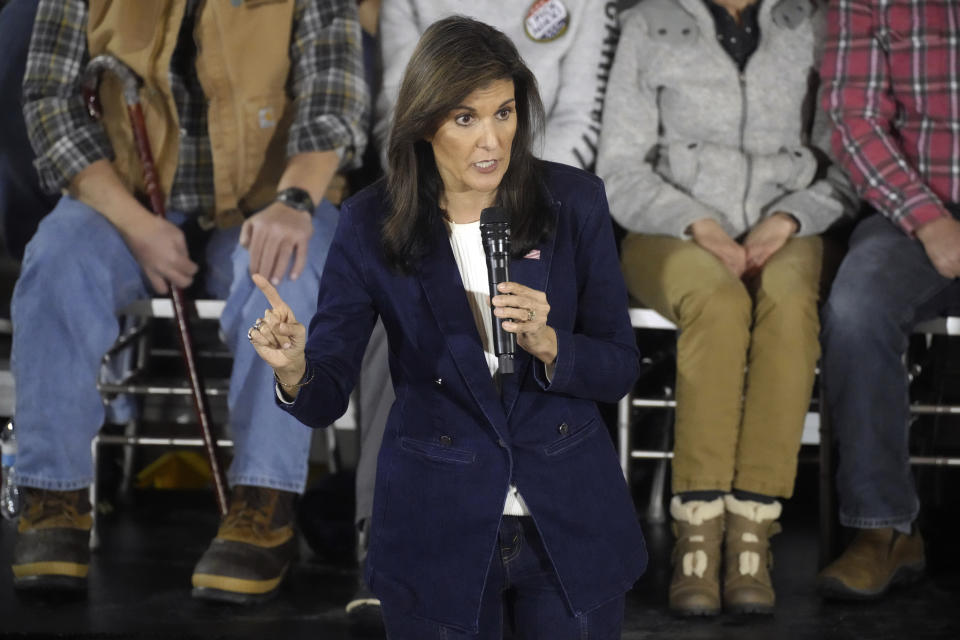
pixel 746 582
pixel 876 560
pixel 254 548
pixel 53 540
pixel 695 586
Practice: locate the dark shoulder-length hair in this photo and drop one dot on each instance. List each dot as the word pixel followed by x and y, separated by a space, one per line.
pixel 455 57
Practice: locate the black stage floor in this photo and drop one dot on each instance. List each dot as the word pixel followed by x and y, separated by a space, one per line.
pixel 139 586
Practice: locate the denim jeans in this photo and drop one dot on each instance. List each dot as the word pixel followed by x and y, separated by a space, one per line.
pixel 885 286
pixel 77 274
pixel 523 588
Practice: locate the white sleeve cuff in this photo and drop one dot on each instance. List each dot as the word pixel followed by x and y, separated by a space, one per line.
pixel 549 370
pixel 281 396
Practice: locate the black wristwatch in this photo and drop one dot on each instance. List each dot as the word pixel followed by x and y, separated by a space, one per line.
pixel 296 198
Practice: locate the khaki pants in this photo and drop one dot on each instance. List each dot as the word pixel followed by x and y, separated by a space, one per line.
pixel 745 358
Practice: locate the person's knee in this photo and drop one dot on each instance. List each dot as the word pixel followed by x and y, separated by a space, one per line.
pixel 791 297
pixel 73 234
pixel 853 314
pixel 69 241
pixel 722 305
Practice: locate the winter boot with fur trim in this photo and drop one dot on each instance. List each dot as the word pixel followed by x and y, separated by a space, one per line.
pixel 746 582
pixel 698 527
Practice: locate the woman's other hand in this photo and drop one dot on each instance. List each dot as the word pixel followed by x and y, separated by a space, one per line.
pixel 278 338
pixel 524 311
pixel 766 239
pixel 709 235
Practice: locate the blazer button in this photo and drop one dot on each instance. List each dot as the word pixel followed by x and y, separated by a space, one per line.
pixel 438 382
pixel 446 441
pixel 564 429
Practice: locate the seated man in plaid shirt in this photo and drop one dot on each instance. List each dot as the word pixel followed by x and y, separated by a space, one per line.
pixel 891 72
pixel 250 108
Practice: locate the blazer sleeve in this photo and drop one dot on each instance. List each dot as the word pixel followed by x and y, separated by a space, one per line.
pixel 598 359
pixel 339 331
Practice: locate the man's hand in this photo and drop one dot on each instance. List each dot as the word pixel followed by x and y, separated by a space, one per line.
pixel 941 241
pixel 158 246
pixel 767 238
pixel 709 235
pixel 274 235
pixel 161 249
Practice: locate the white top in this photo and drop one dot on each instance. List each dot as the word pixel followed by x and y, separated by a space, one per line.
pixel 471 262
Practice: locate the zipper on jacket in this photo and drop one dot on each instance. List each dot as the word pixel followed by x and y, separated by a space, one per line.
pixel 742 76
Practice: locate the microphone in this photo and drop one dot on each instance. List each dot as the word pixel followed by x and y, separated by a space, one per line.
pixel 495 233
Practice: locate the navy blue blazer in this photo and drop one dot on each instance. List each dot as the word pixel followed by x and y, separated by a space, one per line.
pixel 453 444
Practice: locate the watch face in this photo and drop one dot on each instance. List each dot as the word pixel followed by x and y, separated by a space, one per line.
pixel 296 198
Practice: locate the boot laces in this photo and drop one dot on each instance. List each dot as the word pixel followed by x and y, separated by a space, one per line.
pixel 250 515
pixel 52 508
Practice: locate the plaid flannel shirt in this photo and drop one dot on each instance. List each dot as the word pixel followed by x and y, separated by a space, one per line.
pixel 891 71
pixel 326 82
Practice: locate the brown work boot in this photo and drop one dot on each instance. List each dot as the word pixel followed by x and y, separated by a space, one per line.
pixel 874 561
pixel 695 586
pixel 253 550
pixel 53 540
pixel 747 556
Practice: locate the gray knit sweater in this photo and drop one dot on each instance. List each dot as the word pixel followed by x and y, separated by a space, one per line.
pixel 687 136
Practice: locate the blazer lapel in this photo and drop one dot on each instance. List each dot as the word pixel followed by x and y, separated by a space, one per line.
pixel 441 282
pixel 532 270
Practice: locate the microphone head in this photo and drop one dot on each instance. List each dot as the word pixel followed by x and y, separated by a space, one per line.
pixel 494 215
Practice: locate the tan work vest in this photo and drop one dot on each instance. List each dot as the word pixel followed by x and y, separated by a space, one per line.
pixel 242 64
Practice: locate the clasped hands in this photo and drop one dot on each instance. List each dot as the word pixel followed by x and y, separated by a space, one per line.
pixel 746 260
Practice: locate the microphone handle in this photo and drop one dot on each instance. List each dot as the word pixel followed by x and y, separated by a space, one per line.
pixel 504 342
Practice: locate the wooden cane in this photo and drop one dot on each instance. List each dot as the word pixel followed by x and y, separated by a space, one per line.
pixel 131 96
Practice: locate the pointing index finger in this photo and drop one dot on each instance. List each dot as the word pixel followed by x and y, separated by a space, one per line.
pixel 271 293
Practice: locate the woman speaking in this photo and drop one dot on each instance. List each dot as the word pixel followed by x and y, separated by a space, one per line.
pixel 496 492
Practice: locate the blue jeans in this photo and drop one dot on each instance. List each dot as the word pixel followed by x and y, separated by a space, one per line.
pixel 77 274
pixel 522 581
pixel 885 286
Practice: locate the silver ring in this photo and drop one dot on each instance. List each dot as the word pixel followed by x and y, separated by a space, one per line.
pixel 250 334
pixel 256 325
pixel 531 314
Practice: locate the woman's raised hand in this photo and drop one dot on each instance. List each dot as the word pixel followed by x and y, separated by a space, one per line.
pixel 278 338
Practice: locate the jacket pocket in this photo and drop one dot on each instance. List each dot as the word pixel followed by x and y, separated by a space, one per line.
pixel 684 161
pixel 572 438
pixel 437 452
pixel 779 173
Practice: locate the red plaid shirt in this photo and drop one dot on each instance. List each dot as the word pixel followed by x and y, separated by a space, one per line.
pixel 891 73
